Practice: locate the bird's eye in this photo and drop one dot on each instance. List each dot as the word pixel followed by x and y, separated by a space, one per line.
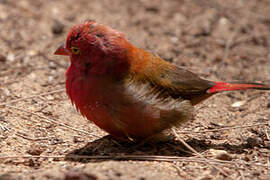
pixel 75 50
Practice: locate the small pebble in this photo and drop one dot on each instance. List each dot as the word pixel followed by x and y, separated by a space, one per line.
pixel 11 57
pixel 32 52
pixel 57 28
pixel 2 58
pixel 174 39
pixel 254 141
pixel 223 21
pixel 50 78
pixel 238 104
pixel 267 144
pixel 221 154
pixel 52 65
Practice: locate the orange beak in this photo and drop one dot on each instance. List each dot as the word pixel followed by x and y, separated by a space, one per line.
pixel 61 50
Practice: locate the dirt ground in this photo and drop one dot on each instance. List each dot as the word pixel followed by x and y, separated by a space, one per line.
pixel 220 40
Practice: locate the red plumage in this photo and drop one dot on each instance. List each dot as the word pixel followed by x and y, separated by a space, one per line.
pixel 129 92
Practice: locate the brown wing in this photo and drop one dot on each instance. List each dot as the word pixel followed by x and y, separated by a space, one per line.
pixel 185 84
pixel 174 81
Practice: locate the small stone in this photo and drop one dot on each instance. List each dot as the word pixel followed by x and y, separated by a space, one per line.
pixel 32 76
pixel 32 52
pixel 118 174
pixel 174 39
pixel 254 142
pixel 52 65
pixel 2 58
pixel 57 28
pixel 221 154
pixel 224 156
pixel 223 28
pixel 223 21
pixel 238 104
pixel 267 144
pixel 50 97
pixel 152 9
pixel 50 78
pixel 10 57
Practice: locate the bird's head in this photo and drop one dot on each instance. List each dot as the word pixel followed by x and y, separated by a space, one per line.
pixel 97 47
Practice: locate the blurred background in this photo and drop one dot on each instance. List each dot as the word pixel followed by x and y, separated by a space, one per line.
pixel 217 39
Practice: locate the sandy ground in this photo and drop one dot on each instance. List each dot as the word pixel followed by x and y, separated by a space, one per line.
pixel 218 40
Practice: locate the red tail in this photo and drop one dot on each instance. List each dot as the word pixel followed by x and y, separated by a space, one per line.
pixel 224 86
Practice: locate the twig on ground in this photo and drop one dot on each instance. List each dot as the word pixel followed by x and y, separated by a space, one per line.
pixel 144 158
pixel 228 45
pixel 184 143
pixel 32 138
pixel 267 134
pixel 4 128
pixel 242 175
pixel 8 82
pixel 225 128
pixel 38 95
pixel 181 149
pixel 48 120
pixel 195 152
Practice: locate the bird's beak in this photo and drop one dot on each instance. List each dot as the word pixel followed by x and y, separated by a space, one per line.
pixel 61 50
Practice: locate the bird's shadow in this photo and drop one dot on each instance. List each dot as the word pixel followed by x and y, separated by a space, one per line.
pixel 107 147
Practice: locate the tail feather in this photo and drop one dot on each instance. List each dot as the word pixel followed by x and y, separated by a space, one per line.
pixel 226 86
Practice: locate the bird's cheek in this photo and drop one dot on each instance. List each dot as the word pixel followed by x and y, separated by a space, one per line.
pixel 75 61
pixel 80 62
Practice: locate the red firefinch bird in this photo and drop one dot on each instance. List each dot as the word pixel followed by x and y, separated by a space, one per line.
pixel 129 92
